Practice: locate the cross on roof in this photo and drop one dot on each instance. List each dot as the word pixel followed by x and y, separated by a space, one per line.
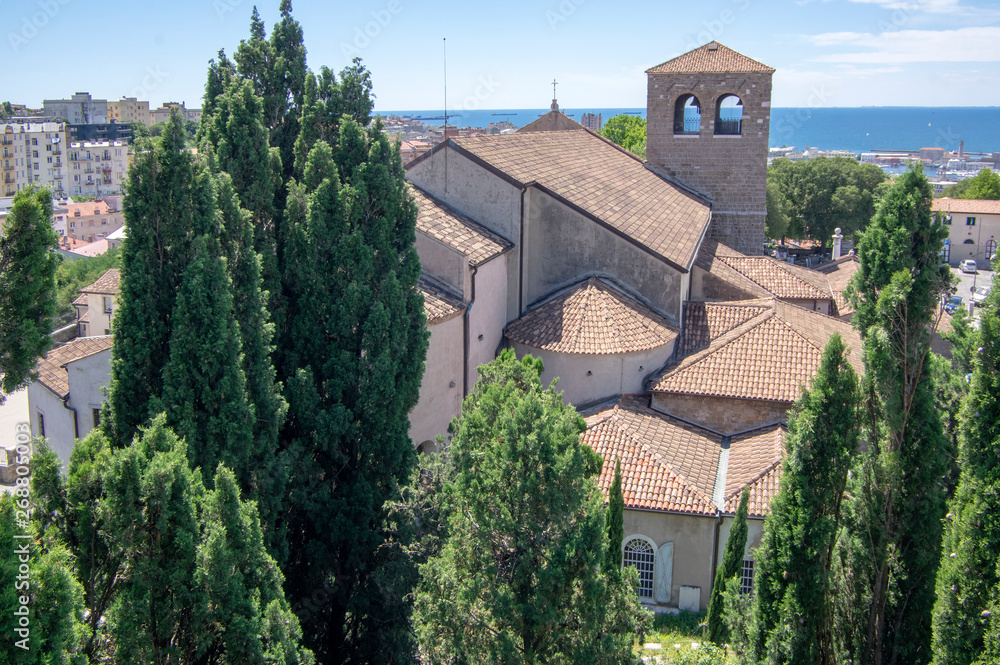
pixel 553 88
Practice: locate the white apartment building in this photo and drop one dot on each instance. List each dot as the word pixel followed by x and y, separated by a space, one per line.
pixel 97 168
pixel 33 154
pixel 80 109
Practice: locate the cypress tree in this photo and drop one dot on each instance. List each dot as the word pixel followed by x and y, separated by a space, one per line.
pixel 27 287
pixel 899 500
pixel 204 389
pixel 498 593
pixel 792 604
pixel 967 583
pixel 169 201
pixel 357 341
pixel 615 523
pixel 732 564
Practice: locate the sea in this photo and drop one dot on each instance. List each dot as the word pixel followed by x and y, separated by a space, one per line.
pixel 855 129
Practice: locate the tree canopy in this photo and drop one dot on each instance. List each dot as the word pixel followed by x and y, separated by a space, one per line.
pixel 628 131
pixel 983 185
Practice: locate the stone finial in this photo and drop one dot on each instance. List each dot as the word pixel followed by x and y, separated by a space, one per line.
pixel 837 239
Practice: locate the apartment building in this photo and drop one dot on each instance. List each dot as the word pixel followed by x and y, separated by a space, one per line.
pixel 129 109
pixel 162 114
pixel 97 168
pixel 80 109
pixel 32 154
pixel 92 220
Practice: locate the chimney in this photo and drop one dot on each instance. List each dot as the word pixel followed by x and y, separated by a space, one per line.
pixel 837 238
pixel 961 149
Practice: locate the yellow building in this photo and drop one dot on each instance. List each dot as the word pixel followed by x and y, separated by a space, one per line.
pixel 129 109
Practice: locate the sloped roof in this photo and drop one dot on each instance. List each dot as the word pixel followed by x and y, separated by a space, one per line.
pixel 704 322
pixel 767 357
pixel 80 300
pixel 593 318
pixel 52 368
pixel 674 466
pixel 969 206
pixel 763 489
pixel 553 121
pixel 713 57
pixel 779 278
pixel 454 229
pixel 667 464
pixel 602 181
pixel 838 274
pixel 107 284
pixel 439 303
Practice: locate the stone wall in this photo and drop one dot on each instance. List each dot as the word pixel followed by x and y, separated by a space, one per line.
pixel 725 415
pixel 730 169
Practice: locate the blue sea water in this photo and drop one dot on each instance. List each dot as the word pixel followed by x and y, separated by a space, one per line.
pixel 854 129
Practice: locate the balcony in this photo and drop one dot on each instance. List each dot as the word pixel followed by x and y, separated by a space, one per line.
pixel 106 168
pixel 58 176
pixel 106 181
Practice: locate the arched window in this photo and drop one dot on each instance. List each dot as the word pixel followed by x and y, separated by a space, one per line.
pixel 991 249
pixel 969 241
pixel 728 115
pixel 946 252
pixel 640 554
pixel 687 115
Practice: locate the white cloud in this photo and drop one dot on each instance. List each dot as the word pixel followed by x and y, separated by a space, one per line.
pixel 931 6
pixel 906 46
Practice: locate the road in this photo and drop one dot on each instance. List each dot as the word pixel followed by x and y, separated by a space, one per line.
pixel 967 283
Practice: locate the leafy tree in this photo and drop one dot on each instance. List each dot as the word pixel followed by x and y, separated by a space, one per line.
pixel 969 581
pixel 732 563
pixel 499 593
pixel 984 185
pixel 793 603
pixel 71 276
pixel 615 523
pixel 53 600
pixel 356 340
pixel 821 194
pixel 778 212
pixel 899 495
pixel 27 287
pixel 628 131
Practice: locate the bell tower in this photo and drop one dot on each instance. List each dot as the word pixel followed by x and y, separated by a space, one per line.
pixel 708 116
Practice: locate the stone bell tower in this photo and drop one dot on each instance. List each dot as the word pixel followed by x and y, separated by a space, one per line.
pixel 708 116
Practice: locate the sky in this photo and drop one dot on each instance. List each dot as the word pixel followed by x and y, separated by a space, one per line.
pixel 505 55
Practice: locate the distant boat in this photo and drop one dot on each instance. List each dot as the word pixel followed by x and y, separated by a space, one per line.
pixel 503 114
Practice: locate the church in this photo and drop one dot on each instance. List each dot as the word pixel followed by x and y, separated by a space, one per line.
pixel 643 287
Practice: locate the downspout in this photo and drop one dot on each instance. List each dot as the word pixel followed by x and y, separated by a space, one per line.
pixel 520 259
pixel 465 347
pixel 715 550
pixel 76 420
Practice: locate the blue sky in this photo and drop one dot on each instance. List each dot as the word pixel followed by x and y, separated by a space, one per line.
pixel 505 54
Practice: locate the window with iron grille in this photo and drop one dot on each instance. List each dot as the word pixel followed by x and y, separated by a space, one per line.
pixel 640 555
pixel 746 577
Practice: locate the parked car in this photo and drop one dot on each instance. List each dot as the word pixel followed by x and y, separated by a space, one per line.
pixel 953 303
pixel 968 265
pixel 980 295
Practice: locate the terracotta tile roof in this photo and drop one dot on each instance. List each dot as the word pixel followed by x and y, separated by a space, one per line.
pixel 87 209
pixel 768 357
pixel 553 121
pixel 963 206
pixel 779 278
pixel 95 248
pixel 439 303
pixel 838 274
pixel 667 464
pixel 752 453
pixel 84 318
pixel 52 368
pixel 80 300
pixel 705 321
pixel 106 284
pixel 712 57
pixel 710 258
pixel 593 318
pixel 602 181
pixel 763 489
pixel 440 222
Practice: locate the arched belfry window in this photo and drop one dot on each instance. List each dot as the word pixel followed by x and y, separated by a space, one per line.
pixel 687 115
pixel 728 115
pixel 639 554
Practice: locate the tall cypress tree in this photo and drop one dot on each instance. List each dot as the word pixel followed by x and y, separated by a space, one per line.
pixel 968 584
pixel 792 604
pixel 732 563
pixel 899 500
pixel 356 329
pixel 615 523
pixel 27 287
pixel 170 201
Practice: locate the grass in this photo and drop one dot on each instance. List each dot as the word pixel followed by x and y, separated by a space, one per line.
pixel 676 633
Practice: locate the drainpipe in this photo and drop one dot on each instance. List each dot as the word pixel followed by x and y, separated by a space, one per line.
pixel 468 341
pixel 715 550
pixel 520 259
pixel 76 419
